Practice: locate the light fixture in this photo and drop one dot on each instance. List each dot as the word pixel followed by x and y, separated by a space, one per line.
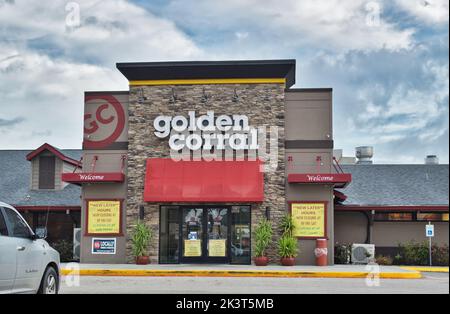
pixel 205 97
pixel 235 96
pixel 141 212
pixel 268 213
pixel 174 96
pixel 141 97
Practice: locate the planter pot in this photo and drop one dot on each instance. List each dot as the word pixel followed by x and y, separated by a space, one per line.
pixel 288 261
pixel 261 261
pixel 142 260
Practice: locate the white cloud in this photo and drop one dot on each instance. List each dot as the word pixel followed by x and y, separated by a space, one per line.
pixel 45 67
pixel 428 11
pixel 332 24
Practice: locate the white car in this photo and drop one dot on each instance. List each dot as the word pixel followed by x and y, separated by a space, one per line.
pixel 27 263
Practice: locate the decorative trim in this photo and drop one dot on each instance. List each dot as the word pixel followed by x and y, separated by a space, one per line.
pixel 209 81
pixel 54 151
pixel 390 208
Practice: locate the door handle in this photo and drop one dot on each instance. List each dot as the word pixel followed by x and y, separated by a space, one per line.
pixel 20 248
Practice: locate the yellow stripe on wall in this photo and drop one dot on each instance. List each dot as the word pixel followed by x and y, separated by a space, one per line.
pixel 210 81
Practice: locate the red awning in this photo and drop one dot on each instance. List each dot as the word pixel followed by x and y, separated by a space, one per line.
pixel 203 181
pixel 339 180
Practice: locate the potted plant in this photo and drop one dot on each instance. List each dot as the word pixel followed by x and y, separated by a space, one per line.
pixel 288 250
pixel 263 238
pixel 140 239
pixel 287 245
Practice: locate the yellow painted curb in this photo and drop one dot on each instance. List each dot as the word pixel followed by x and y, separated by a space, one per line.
pixel 220 273
pixel 427 269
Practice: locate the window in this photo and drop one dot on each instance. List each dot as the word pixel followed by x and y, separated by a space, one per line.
pixel 3 229
pixel 381 216
pixel 169 235
pixel 19 227
pixel 241 235
pixel 47 172
pixel 432 217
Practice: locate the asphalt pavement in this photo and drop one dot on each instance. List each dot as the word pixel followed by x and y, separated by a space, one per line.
pixel 431 283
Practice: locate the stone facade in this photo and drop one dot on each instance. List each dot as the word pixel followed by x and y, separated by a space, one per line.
pixel 263 104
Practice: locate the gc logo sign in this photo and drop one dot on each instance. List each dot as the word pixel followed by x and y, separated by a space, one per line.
pixel 104 121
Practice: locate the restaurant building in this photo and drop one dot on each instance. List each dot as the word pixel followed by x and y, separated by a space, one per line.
pixel 201 152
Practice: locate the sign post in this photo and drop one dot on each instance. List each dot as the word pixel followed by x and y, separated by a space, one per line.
pixel 429 230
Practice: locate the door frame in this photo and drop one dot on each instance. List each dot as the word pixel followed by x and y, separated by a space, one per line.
pixel 205 259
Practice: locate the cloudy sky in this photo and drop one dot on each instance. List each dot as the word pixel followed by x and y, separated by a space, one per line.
pixel 386 60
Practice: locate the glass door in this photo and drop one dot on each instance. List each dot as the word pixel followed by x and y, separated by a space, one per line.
pixel 217 235
pixel 192 235
pixel 205 234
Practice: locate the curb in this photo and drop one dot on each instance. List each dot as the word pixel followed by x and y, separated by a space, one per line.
pixel 427 269
pixel 219 273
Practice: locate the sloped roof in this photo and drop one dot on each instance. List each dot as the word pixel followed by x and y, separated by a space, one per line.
pixel 15 176
pixel 397 185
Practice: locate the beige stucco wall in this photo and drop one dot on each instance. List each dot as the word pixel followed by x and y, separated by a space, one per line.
pixel 109 160
pixel 309 123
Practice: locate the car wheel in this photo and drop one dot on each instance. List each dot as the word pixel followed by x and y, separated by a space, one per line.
pixel 50 282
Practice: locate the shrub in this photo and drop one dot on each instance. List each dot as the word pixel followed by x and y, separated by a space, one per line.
pixel 342 254
pixel 440 255
pixel 384 260
pixel 65 250
pixel 140 239
pixel 263 237
pixel 414 253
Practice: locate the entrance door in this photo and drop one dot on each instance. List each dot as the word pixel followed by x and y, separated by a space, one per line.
pixel 205 234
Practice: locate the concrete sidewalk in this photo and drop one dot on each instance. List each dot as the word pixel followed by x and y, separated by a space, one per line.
pixel 338 271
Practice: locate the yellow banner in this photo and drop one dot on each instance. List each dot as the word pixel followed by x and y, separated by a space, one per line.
pixel 103 217
pixel 217 248
pixel 309 220
pixel 192 248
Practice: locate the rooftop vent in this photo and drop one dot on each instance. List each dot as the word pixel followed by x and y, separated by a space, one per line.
pixel 432 160
pixel 364 155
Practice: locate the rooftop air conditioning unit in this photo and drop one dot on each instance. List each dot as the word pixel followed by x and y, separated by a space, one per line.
pixel 76 243
pixel 363 253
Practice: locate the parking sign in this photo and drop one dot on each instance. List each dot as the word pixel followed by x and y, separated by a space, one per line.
pixel 429 229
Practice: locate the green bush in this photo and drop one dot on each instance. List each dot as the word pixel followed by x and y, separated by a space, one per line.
pixel 342 253
pixel 287 247
pixel 140 239
pixel 65 250
pixel 417 254
pixel 263 237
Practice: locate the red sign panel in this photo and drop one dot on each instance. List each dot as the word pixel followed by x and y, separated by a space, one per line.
pixel 108 118
pixel 203 181
pixel 93 177
pixel 322 178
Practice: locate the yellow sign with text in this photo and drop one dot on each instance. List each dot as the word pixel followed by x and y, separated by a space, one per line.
pixel 217 248
pixel 103 217
pixel 192 248
pixel 309 220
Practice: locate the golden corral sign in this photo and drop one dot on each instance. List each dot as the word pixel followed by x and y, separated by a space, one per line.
pixel 103 217
pixel 309 219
